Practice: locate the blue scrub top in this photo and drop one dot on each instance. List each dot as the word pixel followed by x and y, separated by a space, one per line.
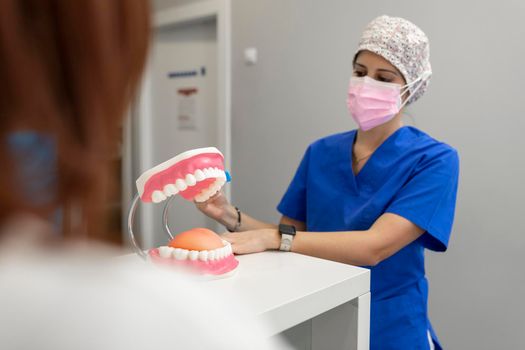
pixel 411 175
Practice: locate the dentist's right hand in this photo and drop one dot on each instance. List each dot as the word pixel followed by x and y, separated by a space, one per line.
pixel 219 209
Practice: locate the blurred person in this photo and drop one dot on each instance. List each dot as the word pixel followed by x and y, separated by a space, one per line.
pixel 68 71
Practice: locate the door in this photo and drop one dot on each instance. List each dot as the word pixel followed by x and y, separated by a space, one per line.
pixel 182 111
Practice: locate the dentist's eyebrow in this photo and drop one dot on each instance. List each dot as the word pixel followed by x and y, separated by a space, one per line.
pixel 389 71
pixel 379 70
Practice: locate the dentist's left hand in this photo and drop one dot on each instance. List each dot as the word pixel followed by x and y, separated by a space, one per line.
pixel 253 241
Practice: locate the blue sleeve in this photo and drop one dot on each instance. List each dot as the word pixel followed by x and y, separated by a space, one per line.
pixel 293 203
pixel 428 199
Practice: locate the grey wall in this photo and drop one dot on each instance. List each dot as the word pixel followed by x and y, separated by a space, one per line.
pixel 296 94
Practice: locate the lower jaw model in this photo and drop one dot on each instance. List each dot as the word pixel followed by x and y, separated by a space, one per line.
pixel 196 175
pixel 199 250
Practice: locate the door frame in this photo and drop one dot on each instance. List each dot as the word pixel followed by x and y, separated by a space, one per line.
pixel 220 10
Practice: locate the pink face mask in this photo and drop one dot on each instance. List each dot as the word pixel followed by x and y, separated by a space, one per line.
pixel 372 103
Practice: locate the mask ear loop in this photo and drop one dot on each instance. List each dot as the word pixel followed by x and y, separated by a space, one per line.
pixel 421 80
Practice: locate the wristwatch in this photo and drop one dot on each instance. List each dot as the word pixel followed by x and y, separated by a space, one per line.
pixel 287 233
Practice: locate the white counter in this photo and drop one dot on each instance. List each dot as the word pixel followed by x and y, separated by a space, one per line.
pixel 290 288
pixel 314 303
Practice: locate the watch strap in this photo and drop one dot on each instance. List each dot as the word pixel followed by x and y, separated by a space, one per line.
pixel 287 233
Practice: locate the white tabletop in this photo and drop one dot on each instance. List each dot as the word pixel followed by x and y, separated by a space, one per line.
pixel 287 288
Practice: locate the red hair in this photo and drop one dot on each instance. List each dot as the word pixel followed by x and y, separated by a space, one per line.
pixel 69 69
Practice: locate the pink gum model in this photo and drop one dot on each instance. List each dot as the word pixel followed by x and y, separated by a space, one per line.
pixel 196 175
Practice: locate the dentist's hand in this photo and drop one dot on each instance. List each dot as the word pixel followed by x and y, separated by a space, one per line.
pixel 253 241
pixel 219 209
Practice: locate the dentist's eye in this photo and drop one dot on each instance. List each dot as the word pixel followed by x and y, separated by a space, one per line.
pixel 359 73
pixel 385 80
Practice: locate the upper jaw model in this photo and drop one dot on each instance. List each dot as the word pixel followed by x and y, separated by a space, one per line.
pixel 196 175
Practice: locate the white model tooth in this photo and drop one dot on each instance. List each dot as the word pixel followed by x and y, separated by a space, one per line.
pixel 170 190
pixel 191 180
pixel 165 252
pixel 157 196
pixel 200 198
pixel 203 255
pixel 177 254
pixel 222 175
pixel 181 184
pixel 184 254
pixel 211 255
pixel 199 175
pixel 208 193
pixel 220 253
pixel 214 188
pixel 193 255
pixel 207 172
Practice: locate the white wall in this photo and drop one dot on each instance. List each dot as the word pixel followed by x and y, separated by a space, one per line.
pixel 296 93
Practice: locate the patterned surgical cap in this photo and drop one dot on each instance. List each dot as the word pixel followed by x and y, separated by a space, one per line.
pixel 404 45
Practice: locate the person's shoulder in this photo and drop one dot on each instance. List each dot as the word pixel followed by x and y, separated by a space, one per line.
pixel 430 149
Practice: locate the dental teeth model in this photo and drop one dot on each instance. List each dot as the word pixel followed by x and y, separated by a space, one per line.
pixel 200 249
pixel 196 175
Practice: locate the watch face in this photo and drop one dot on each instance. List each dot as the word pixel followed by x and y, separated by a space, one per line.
pixel 287 229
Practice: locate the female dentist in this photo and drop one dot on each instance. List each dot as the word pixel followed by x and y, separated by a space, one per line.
pixel 374 197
